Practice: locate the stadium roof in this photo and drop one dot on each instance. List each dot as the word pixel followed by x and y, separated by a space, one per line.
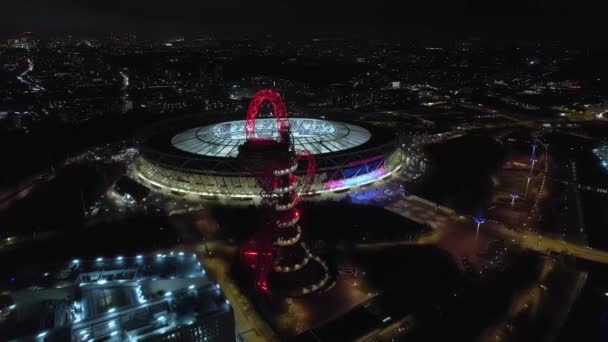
pixel 316 136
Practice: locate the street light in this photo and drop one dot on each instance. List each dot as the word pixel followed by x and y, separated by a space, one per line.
pixel 479 220
pixel 513 195
pixel 533 160
pixel 534 146
pixel 527 186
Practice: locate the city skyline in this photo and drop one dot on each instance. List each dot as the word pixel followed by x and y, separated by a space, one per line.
pixel 363 171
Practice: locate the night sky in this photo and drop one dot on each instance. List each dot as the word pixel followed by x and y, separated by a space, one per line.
pixel 520 19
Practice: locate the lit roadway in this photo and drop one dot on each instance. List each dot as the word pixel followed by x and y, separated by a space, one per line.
pixel 250 326
pixel 422 211
pixel 8 197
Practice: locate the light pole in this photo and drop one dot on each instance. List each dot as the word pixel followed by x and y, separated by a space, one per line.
pixel 533 160
pixel 479 220
pixel 534 146
pixel 513 195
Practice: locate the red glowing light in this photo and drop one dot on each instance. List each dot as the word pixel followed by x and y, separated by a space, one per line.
pixel 262 285
pixel 258 254
pixel 311 168
pixel 367 160
pixel 280 112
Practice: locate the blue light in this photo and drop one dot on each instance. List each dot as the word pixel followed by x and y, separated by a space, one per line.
pixel 99 259
pixel 42 334
pixel 140 256
pixel 479 219
pixel 168 294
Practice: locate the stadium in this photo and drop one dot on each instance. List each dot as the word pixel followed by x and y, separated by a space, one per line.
pixel 188 158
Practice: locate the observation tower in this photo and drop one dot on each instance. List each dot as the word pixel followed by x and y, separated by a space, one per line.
pixel 281 261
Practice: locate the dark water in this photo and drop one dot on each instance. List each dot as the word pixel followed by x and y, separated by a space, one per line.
pixel 459 173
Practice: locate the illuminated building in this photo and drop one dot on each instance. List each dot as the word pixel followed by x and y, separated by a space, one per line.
pixel 164 297
pixel 602 154
pixel 24 41
pixel 185 158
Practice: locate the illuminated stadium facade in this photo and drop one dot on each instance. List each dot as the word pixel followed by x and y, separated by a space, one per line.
pixel 187 158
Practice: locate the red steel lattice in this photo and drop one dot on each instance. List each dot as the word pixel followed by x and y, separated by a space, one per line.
pixel 280 112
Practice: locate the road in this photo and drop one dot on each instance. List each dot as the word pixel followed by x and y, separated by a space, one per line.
pixel 396 330
pixel 250 326
pixel 7 198
pixel 439 218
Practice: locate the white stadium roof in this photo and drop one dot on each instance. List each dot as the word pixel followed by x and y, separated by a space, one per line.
pixel 316 136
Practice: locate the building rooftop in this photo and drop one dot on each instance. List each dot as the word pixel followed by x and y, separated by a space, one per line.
pixel 602 153
pixel 115 299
